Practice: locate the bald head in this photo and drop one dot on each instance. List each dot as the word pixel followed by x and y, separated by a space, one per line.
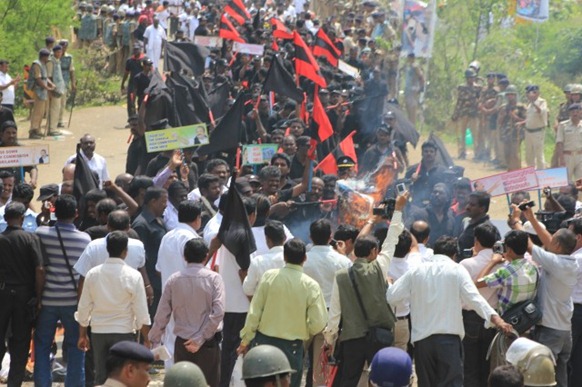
pixel 118 220
pixel 123 180
pixel 69 172
pixel 421 231
pixel 87 143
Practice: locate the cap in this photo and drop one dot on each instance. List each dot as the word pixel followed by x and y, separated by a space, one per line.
pixel 50 39
pixel 389 115
pixel 530 88
pixel 575 106
pixel 146 60
pixel 222 62
pixel 391 367
pixel 527 227
pixel 323 91
pixel 568 88
pixel 503 81
pixel 133 351
pixel 345 162
pixel 470 73
pixel 133 117
pixel 253 179
pixel 491 75
pixel 58 47
pixel 511 89
pixel 48 191
pixel 44 52
pixel 576 89
pixel 64 42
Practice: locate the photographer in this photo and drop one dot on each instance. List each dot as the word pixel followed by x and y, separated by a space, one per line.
pixel 557 280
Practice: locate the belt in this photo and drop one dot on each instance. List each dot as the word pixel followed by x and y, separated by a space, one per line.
pixel 535 130
pixel 402 318
pixel 576 152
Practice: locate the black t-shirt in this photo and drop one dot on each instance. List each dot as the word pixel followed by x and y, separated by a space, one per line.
pixel 133 66
pixel 21 255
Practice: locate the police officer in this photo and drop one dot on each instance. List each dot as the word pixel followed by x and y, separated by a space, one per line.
pixel 569 142
pixel 391 367
pixel 268 364
pixel 536 121
pixel 128 364
pixel 346 167
pixel 185 374
pixel 466 111
pixel 510 123
pixel 534 361
pixel 88 28
pixel 486 113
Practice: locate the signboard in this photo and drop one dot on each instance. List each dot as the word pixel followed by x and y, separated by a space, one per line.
pixel 505 183
pixel 555 177
pixel 348 69
pixel 246 48
pixel 208 41
pixel 258 154
pixel 22 156
pixel 176 138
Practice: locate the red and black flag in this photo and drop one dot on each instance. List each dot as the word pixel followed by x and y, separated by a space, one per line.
pixel 280 30
pixel 235 231
pixel 227 135
pixel 237 10
pixel 280 81
pixel 345 148
pixel 321 128
pixel 325 47
pixel 227 30
pixel 305 63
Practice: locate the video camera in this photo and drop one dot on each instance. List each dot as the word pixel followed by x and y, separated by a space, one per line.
pixel 387 211
pixel 552 220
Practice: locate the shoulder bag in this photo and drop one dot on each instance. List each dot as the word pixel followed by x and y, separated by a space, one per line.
pixel 376 336
pixel 525 314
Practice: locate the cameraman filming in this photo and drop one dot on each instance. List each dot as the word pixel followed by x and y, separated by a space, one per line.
pixel 557 280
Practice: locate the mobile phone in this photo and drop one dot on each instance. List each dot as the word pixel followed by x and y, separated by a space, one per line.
pixel 400 188
pixel 525 206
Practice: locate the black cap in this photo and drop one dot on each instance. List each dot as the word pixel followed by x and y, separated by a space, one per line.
pixel 503 81
pixel 384 128
pixel 323 91
pixel 132 351
pixel 532 88
pixel 491 75
pixel 470 73
pixel 48 191
pixel 575 106
pixel 345 162
pixel 146 60
pixel 44 52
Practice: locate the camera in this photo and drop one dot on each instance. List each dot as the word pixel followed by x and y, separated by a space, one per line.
pixel 547 191
pixel 499 247
pixel 467 253
pixel 400 188
pixel 525 206
pixel 386 211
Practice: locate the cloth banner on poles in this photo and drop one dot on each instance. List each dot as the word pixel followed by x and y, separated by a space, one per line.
pixel 418 28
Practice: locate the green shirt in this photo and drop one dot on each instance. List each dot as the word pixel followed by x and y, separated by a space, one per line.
pixel 288 305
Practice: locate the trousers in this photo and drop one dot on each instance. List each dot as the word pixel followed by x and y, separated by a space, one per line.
pixel 439 361
pixel 560 343
pixel 462 124
pixel 38 109
pixel 575 362
pixel 232 325
pixel 54 112
pixel 101 342
pixel 293 349
pixel 207 358
pixel 534 149
pixel 574 166
pixel 475 345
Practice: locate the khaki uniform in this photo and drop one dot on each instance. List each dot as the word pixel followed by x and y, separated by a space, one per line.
pixel 485 133
pixel 570 136
pixel 509 115
pixel 535 132
pixel 38 70
pixel 55 97
pixel 466 116
pixel 563 115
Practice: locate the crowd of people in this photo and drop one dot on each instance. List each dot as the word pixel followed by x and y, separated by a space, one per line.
pixel 328 266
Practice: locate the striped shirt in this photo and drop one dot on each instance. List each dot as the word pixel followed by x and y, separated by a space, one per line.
pixel 515 281
pixel 59 289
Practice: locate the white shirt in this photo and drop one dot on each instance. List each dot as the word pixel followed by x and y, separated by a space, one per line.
pixel 577 293
pixel 273 259
pixel 322 263
pixel 96 254
pixel 171 216
pixel 163 17
pixel 196 195
pixel 236 299
pixel 193 23
pixel 211 228
pixel 398 267
pixel 171 252
pixel 557 280
pixel 261 239
pixel 113 299
pixel 8 93
pixel 474 266
pixel 425 252
pixel 97 163
pixel 436 291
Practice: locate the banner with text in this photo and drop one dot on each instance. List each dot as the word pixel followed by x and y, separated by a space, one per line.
pixel 258 154
pixel 176 138
pixel 246 48
pixel 208 41
pixel 525 179
pixel 23 156
pixel 555 177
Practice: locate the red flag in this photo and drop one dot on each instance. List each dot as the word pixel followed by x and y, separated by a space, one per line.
pixel 325 47
pixel 321 128
pixel 345 148
pixel 237 10
pixel 227 30
pixel 305 63
pixel 280 30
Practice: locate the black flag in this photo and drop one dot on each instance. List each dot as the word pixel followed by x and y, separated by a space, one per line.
pixel 227 134
pixel 405 129
pixel 217 98
pixel 185 55
pixel 281 81
pixel 235 230
pixel 442 154
pixel 85 179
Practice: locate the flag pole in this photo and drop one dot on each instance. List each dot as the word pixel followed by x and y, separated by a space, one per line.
pixel 238 157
